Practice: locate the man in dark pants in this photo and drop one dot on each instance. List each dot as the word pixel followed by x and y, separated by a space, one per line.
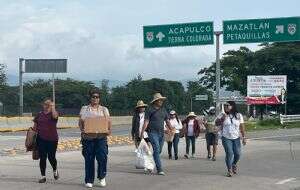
pixel 155 118
pixel 211 134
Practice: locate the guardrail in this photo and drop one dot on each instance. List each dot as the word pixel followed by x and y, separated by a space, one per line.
pixel 284 119
pixel 23 123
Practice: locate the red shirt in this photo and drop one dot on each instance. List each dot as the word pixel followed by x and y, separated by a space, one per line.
pixel 46 126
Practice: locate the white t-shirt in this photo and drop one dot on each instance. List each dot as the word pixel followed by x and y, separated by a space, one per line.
pixel 175 124
pixel 142 119
pixel 231 126
pixel 88 111
pixel 191 128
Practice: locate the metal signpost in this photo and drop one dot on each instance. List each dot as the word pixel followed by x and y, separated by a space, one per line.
pixel 235 31
pixel 203 97
pixel 40 66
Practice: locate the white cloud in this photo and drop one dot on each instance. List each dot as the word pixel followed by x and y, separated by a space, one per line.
pixel 103 39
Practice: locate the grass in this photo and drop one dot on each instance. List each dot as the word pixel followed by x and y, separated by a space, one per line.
pixel 269 124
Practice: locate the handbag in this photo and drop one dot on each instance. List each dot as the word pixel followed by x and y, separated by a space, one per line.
pixel 35 155
pixel 30 141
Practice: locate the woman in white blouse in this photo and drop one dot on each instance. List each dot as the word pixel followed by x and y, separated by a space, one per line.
pixel 94 146
pixel 233 131
pixel 177 125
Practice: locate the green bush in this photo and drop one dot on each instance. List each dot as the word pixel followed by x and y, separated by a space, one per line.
pixel 269 122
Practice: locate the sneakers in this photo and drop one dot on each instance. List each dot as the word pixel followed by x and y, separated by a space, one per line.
pixel 101 183
pixel 89 185
pixel 56 175
pixel 193 156
pixel 234 169
pixel 161 173
pixel 209 156
pixel 229 174
pixel 186 156
pixel 43 179
pixel 170 157
pixel 214 158
pixel 176 157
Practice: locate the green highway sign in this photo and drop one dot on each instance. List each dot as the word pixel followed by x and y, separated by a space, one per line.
pixel 187 34
pixel 261 30
pixel 201 97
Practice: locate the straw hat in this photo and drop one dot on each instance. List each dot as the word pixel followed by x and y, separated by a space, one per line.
pixel 192 114
pixel 172 112
pixel 157 96
pixel 140 104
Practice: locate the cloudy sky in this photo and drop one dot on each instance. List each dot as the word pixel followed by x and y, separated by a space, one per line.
pixel 103 38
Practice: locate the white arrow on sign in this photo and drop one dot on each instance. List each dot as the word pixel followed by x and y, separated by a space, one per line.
pixel 160 36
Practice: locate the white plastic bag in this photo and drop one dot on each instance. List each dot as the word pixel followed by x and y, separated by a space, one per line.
pixel 144 159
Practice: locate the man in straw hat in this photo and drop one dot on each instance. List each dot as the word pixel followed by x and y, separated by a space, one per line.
pixel 138 122
pixel 155 118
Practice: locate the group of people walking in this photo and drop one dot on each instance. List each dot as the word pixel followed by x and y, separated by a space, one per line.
pixel 151 123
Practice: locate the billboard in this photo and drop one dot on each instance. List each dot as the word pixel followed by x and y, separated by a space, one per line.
pixel 266 86
pixel 45 65
pixel 266 89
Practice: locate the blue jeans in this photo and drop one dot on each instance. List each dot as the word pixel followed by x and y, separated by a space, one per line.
pixel 174 144
pixel 91 149
pixel 232 149
pixel 157 142
pixel 189 140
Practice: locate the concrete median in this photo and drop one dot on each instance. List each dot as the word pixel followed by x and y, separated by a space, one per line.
pixel 13 124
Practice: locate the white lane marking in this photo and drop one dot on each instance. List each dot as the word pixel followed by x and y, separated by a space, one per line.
pixel 271 137
pixel 285 181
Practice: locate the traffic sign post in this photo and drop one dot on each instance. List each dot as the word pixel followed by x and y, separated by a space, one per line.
pixel 235 31
pixel 186 34
pixel 40 66
pixel 203 97
pixel 261 30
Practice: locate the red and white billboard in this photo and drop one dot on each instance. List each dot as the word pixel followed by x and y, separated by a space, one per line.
pixel 266 89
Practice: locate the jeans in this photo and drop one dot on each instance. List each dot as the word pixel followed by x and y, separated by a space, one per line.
pixel 47 149
pixel 232 149
pixel 91 149
pixel 157 142
pixel 189 140
pixel 174 144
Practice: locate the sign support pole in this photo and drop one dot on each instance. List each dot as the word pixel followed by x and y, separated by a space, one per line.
pixel 21 86
pixel 218 72
pixel 53 89
pixel 285 105
pixel 191 104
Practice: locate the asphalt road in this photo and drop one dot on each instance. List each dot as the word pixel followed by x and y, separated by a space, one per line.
pixel 16 139
pixel 265 165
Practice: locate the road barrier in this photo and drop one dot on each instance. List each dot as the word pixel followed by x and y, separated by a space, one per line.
pixel 10 124
pixel 284 119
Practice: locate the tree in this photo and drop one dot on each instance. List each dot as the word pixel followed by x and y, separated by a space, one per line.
pixel 271 59
pixel 2 77
pixel 104 90
pixel 195 88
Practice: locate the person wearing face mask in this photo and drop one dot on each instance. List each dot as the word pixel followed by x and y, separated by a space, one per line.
pixel 233 132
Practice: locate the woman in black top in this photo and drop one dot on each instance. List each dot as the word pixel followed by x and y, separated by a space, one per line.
pixel 137 123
